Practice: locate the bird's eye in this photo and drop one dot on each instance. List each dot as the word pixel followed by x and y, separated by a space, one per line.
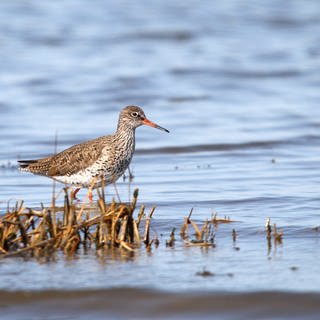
pixel 135 114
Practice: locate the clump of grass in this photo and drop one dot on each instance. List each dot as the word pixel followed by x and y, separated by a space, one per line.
pixel 275 233
pixel 28 232
pixel 204 237
pixel 217 220
pixel 170 242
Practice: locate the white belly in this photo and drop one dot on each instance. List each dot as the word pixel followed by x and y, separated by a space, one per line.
pixel 99 170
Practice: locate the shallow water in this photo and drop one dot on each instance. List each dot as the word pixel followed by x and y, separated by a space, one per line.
pixel 235 83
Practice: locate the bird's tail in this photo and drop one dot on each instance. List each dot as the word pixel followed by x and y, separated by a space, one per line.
pixel 24 164
pixel 38 166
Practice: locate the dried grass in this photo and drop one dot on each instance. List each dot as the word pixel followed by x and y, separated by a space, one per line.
pixel 28 232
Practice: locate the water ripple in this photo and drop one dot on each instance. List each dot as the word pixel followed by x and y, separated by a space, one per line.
pixel 312 139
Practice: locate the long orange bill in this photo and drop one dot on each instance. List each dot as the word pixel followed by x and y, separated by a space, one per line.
pixel 152 124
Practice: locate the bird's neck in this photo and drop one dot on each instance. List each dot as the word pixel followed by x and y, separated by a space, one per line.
pixel 125 134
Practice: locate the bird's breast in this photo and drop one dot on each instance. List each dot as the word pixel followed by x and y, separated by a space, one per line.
pixel 118 157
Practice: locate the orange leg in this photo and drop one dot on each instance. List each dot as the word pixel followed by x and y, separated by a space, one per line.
pixel 90 196
pixel 74 193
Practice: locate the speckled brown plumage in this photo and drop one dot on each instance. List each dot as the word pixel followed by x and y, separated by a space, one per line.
pixel 69 161
pixel 105 157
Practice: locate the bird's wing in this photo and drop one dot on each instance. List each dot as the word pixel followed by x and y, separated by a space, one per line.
pixel 69 161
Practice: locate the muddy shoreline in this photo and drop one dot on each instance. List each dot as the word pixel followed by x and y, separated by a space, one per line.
pixel 143 303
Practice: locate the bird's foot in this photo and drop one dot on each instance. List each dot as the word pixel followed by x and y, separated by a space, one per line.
pixel 74 194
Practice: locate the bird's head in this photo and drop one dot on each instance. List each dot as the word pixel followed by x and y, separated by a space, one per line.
pixel 134 117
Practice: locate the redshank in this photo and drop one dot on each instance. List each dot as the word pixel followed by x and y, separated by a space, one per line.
pixel 105 158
